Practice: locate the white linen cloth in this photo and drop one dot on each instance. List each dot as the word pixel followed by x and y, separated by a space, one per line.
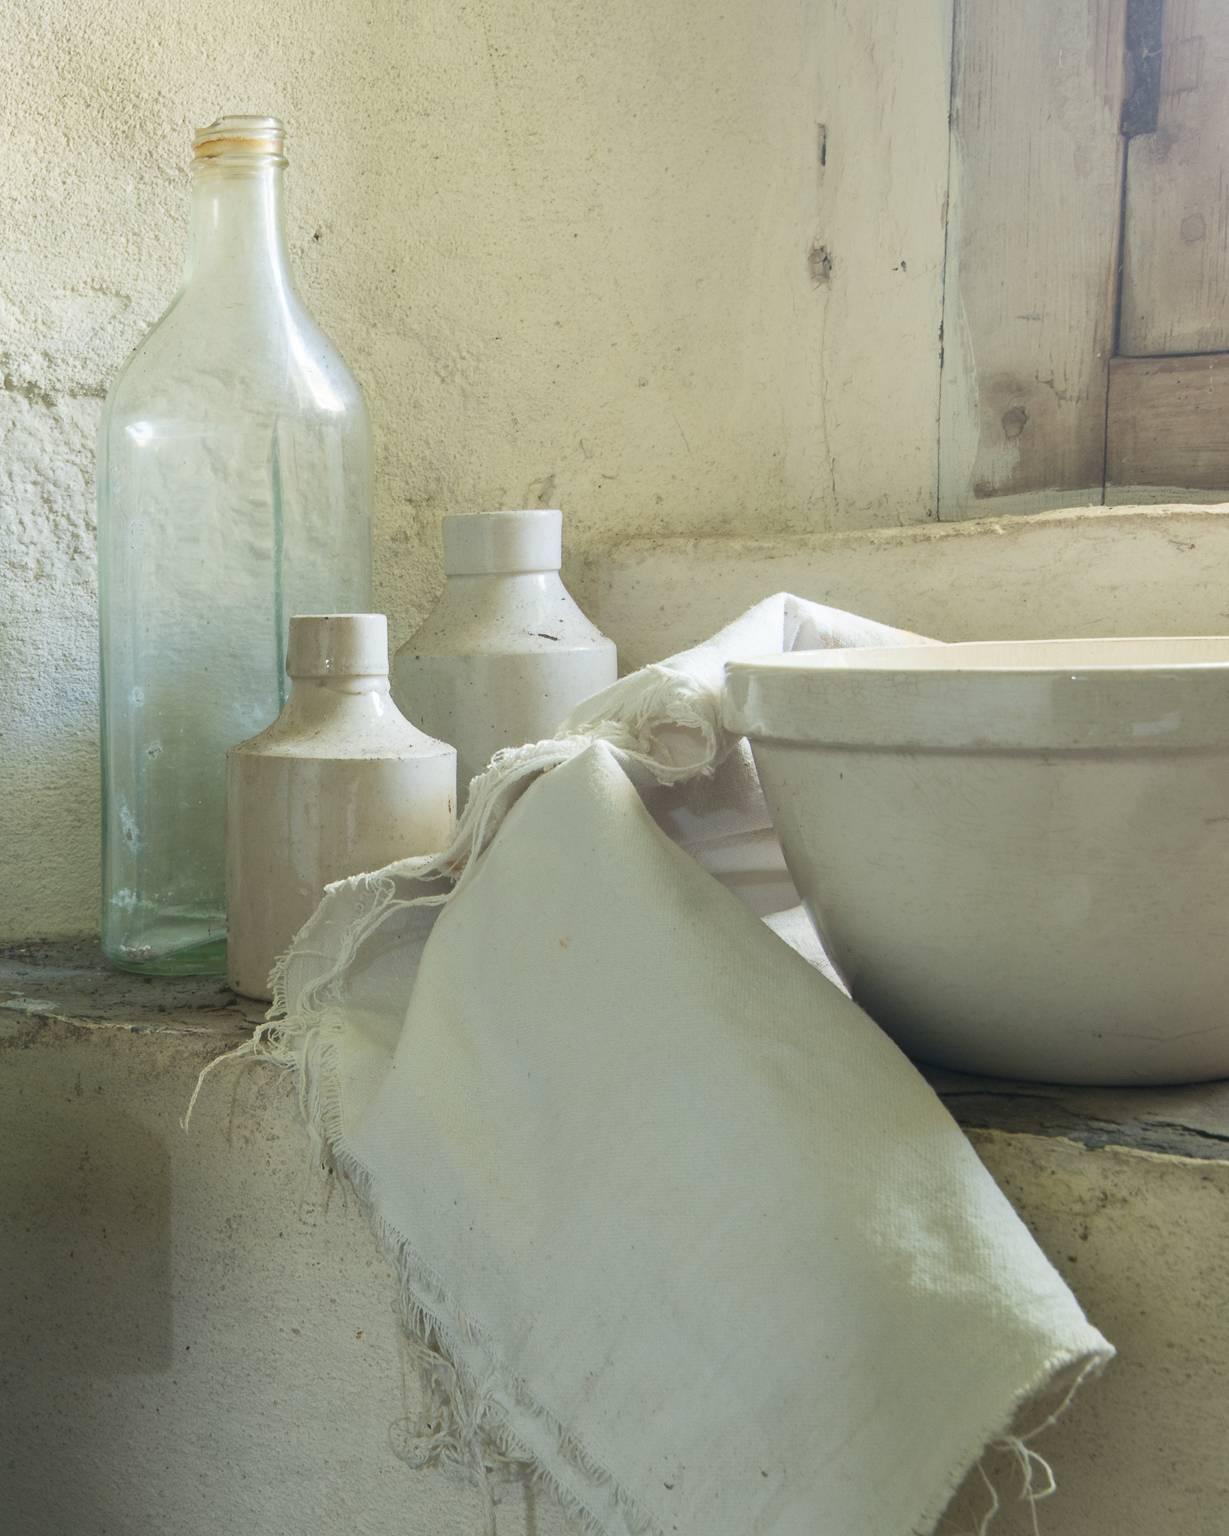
pixel 694 1237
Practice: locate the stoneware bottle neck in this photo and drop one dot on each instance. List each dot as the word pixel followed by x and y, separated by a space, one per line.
pixel 528 579
pixel 339 662
pixel 353 686
pixel 358 710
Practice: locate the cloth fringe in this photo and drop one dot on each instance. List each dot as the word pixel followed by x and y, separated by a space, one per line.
pixel 464 1426
pixel 1030 1462
pixel 663 700
pixel 465 1430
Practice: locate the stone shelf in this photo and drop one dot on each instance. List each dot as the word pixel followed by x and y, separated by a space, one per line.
pixel 1187 1121
pixel 202 1326
pixel 67 983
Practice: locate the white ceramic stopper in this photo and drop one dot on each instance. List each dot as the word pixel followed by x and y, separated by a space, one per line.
pixel 338 645
pixel 502 543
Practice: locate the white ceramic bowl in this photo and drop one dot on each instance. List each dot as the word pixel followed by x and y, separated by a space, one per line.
pixel 1017 853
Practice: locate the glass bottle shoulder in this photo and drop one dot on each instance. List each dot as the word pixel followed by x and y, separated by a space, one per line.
pixel 208 355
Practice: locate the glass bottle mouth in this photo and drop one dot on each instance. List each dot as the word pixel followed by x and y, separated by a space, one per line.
pixel 239 137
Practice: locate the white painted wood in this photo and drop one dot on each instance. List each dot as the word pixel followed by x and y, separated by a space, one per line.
pixel 1165 495
pixel 1175 281
pixel 878 202
pixel 1168 422
pixel 1032 241
pixel 1097 571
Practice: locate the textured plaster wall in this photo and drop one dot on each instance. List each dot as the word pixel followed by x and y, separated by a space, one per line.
pixel 674 267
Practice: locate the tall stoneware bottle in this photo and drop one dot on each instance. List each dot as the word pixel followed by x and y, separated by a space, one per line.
pixel 234 489
pixel 339 784
pixel 506 654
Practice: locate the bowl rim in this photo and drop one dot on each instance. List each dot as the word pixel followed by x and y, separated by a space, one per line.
pixel 904 699
pixel 907 658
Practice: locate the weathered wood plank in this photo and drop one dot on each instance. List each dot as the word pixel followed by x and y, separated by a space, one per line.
pixel 1168 423
pixel 1175 281
pixel 1032 253
pixel 875 231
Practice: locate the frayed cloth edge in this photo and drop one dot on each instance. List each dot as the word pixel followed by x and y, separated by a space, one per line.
pixel 482 1411
pixel 307 1041
pixel 1085 1365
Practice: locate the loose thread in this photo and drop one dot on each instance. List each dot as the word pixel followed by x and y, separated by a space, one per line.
pixel 987 1520
pixel 674 699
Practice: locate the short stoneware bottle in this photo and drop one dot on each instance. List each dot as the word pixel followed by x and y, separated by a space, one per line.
pixel 339 784
pixel 506 654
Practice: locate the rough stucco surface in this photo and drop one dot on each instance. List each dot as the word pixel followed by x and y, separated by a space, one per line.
pixel 569 249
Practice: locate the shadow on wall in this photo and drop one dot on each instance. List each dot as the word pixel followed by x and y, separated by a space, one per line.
pixel 85 1292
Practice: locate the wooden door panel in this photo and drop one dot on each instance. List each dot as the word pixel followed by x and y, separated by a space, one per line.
pixel 1175 279
pixel 1035 212
pixel 1168 426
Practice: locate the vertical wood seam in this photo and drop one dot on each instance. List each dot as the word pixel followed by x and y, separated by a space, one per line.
pixel 1125 134
pixel 947 247
pixel 1068 161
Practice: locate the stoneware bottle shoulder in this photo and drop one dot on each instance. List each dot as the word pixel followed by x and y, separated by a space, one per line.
pixel 330 721
pixel 528 613
pixel 340 784
pixel 506 653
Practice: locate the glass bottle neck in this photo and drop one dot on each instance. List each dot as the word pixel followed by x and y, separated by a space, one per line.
pixel 237 235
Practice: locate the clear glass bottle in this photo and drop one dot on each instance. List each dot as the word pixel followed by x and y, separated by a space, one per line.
pixel 234 489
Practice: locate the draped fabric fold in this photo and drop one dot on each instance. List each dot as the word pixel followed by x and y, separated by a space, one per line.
pixel 679 1224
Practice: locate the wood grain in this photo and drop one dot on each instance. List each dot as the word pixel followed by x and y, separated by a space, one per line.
pixel 1168 423
pixel 875 241
pixel 1031 254
pixel 1175 285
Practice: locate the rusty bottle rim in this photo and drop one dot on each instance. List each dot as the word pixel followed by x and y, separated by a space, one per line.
pixel 243 137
